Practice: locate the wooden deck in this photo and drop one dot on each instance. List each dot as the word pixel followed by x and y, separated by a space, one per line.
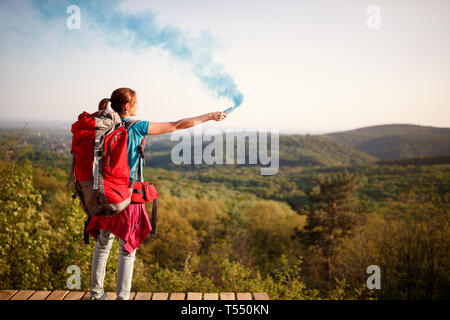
pixel 73 295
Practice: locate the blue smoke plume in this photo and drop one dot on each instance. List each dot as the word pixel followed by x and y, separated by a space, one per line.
pixel 139 31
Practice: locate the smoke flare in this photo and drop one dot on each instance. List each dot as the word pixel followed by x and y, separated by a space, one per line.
pixel 139 31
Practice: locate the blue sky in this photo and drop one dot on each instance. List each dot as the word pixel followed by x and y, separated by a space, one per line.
pixel 302 66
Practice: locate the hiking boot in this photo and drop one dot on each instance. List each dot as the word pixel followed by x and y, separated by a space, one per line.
pixel 103 297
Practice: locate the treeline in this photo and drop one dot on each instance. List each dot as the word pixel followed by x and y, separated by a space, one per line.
pixel 418 161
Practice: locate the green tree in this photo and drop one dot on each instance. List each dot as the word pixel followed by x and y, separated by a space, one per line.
pixel 330 215
pixel 410 243
pixel 24 230
pixel 270 226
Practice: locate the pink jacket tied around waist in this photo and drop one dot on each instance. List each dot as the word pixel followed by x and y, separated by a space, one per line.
pixel 131 225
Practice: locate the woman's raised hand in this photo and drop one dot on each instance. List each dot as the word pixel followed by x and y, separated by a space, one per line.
pixel 217 116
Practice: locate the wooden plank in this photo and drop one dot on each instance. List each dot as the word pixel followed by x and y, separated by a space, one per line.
pixel 22 295
pixel 57 295
pixel 87 296
pixel 243 296
pixel 40 295
pixel 211 296
pixel 7 294
pixel 74 295
pixel 261 296
pixel 66 295
pixel 160 296
pixel 177 296
pixel 194 296
pixel 227 296
pixel 110 296
pixel 143 296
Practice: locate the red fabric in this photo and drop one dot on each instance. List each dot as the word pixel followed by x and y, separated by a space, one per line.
pixel 116 171
pixel 131 225
pixel 148 189
pixel 83 136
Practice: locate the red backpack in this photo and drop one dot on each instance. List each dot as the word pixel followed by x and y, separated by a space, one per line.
pixel 100 163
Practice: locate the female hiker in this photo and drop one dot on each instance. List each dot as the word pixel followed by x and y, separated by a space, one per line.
pixel 132 225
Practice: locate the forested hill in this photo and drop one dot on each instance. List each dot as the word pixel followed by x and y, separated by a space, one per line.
pixel 294 150
pixel 397 141
pixel 318 150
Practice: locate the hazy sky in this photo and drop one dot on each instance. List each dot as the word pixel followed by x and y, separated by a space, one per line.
pixel 305 66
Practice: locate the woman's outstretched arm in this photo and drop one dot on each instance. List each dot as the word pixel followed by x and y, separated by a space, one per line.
pixel 164 127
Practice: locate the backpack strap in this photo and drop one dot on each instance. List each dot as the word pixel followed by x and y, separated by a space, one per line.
pixel 98 154
pixel 128 124
pixel 85 234
pixel 141 159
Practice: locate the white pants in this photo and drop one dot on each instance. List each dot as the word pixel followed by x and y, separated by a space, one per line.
pixel 124 267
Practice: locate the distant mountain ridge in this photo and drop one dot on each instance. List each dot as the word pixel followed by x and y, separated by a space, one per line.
pixel 397 141
pixel 306 150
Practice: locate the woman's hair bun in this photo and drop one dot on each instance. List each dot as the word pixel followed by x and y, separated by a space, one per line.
pixel 103 105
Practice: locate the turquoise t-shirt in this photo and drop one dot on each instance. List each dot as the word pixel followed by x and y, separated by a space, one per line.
pixel 135 135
